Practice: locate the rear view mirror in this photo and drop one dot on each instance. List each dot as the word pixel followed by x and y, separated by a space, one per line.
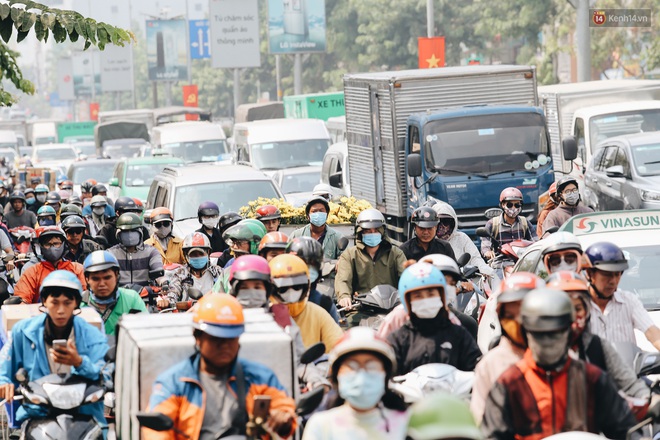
pixel 615 171
pixel 309 401
pixel 114 181
pixel 155 421
pixel 414 164
pixel 336 180
pixel 342 243
pixel 464 259
pixel 195 293
pixel 482 232
pixel 570 148
pixel 312 353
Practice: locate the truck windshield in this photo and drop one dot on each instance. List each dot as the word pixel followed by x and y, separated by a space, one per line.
pixel 289 154
pixel 487 144
pixel 603 127
pixel 199 151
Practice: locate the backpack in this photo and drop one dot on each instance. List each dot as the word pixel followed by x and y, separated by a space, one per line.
pixel 497 221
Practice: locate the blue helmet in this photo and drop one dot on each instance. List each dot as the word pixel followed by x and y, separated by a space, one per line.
pixel 61 178
pixel 41 188
pixel 59 281
pixel 606 256
pixel 419 276
pixel 99 261
pixel 45 211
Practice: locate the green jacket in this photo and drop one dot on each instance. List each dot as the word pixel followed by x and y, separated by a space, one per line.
pixel 128 300
pixel 357 272
pixel 330 250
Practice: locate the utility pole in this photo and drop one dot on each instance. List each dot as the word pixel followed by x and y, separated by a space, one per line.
pixel 297 74
pixel 429 18
pixel 583 37
pixel 237 89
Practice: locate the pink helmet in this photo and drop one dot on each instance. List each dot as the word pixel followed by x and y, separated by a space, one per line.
pixel 249 267
pixel 510 193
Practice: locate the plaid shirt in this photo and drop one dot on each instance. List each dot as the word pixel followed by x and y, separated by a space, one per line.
pixel 507 233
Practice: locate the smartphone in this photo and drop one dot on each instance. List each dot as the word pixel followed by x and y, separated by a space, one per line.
pixel 59 344
pixel 261 407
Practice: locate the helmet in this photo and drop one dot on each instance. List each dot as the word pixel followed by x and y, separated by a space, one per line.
pixel 99 188
pixel 46 211
pixel 359 340
pixel 53 198
pixel 552 191
pixel 208 209
pixel 307 248
pixel 75 200
pixel 419 276
pixel 425 217
pixel 561 241
pixel 73 222
pixel 322 190
pixel 86 187
pixel 99 261
pixel 248 229
pixel 564 182
pixel 160 214
pixel 98 201
pixel 445 263
pixel 442 416
pixel 67 184
pixel 510 193
pixel 273 240
pixel 28 191
pixel 41 188
pixel 59 280
pixel 129 221
pixel 17 195
pixel 288 270
pixel 369 218
pixel 249 267
pixel 313 201
pixel 45 232
pixel 196 240
pixel 547 310
pixel 64 195
pixel 67 210
pixel 268 212
pixel 124 204
pixel 139 206
pixel 606 256
pixel 568 281
pixel 219 315
pixel 228 219
pixel 514 287
pixel 19 187
pixel 61 178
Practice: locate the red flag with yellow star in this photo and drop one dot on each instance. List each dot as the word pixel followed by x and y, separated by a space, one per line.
pixel 431 52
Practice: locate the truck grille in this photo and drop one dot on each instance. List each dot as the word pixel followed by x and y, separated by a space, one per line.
pixel 475 218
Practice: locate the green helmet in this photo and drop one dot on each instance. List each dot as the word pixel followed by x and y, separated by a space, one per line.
pixel 441 416
pixel 128 221
pixel 249 229
pixel 68 210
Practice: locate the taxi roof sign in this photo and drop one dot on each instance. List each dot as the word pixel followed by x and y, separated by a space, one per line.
pixel 612 221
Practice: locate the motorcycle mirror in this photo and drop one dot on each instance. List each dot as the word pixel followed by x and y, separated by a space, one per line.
pixel 22 376
pixel 195 293
pixel 551 230
pixel 309 401
pixel 9 257
pixel 12 300
pixel 469 271
pixel 342 243
pixel 464 259
pixel 155 421
pixel 482 232
pixel 154 274
pixel 312 353
pixel 646 363
pixel 328 267
pixel 493 212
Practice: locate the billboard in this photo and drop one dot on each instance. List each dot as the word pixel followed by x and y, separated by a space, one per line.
pixel 117 68
pixel 167 50
pixel 199 39
pixel 87 73
pixel 296 26
pixel 234 28
pixel 65 88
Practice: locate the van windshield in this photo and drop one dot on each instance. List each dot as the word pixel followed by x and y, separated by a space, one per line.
pixel 647 159
pixel 199 151
pixel 289 154
pixel 488 144
pixel 617 124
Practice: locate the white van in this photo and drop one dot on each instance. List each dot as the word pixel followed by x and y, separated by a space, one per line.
pixel 334 171
pixel 275 144
pixel 192 141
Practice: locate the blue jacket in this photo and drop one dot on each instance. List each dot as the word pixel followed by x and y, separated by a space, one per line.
pixel 27 349
pixel 109 211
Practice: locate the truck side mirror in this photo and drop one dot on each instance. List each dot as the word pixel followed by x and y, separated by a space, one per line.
pixel 414 163
pixel 336 180
pixel 570 148
pixel 114 181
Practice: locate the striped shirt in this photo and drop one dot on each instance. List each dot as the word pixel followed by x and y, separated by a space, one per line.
pixel 624 313
pixel 507 233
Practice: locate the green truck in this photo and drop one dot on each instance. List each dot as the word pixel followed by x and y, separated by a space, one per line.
pixel 314 106
pixel 75 131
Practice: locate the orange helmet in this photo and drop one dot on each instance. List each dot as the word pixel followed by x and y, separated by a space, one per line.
pixel 553 189
pixel 273 240
pixel 568 281
pixel 160 214
pixel 138 204
pixel 219 315
pixel 515 286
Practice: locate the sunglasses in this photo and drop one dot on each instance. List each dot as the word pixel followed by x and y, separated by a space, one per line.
pixel 513 205
pixel 282 290
pixel 555 259
pixel 163 224
pixel 75 231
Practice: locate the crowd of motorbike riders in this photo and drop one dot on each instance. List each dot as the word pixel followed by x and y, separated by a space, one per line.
pixel 554 368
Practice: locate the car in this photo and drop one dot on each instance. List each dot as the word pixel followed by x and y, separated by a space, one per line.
pixel 132 177
pixel 182 189
pixel 85 148
pixel 58 156
pixel 192 141
pixel 97 169
pixel 624 173
pixel 121 148
pixel 9 154
pixel 298 183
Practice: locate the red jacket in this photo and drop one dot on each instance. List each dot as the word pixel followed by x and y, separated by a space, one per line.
pixel 30 281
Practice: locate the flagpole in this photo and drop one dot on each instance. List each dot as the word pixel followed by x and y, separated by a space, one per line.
pixel 429 18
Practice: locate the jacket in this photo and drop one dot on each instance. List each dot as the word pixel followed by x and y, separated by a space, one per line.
pixel 178 393
pixel 174 253
pixel 85 247
pixel 29 283
pixel 27 349
pixel 414 251
pixel 134 267
pixel 217 243
pixel 181 279
pixel 562 213
pixel 357 272
pixel 549 206
pixel 127 301
pixel 330 249
pixel 450 344
pixel 316 325
pixel 528 402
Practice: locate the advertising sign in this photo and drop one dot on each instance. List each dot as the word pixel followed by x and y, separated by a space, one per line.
pixel 296 26
pixel 65 79
pixel 199 39
pixel 234 33
pixel 167 50
pixel 117 68
pixel 86 71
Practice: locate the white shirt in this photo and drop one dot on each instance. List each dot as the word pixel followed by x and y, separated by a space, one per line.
pixel 624 313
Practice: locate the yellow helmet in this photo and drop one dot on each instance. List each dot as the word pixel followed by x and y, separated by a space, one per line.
pixel 290 276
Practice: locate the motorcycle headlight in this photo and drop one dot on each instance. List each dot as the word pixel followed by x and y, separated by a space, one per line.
pixel 65 396
pixel 650 196
pixel 94 397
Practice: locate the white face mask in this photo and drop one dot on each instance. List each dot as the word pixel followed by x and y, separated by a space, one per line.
pixel 291 296
pixel 252 298
pixel 99 210
pixel 426 308
pixel 450 295
pixel 564 266
pixel 210 223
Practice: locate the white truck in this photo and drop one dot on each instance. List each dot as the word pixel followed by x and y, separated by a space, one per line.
pixel 192 141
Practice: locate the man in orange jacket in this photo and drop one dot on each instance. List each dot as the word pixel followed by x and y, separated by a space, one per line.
pixel 51 241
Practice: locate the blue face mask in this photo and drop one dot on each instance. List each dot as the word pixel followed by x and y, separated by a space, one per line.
pixel 313 274
pixel 30 200
pixel 318 218
pixel 361 389
pixel 372 240
pixel 198 262
pixel 46 222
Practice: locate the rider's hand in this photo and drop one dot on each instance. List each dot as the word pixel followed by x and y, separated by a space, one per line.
pixel 7 391
pixel 467 286
pixel 10 266
pixel 344 303
pixel 162 302
pixel 408 263
pixel 67 355
pixel 490 255
pixel 280 422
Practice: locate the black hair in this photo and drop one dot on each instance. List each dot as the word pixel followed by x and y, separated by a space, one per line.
pixel 55 292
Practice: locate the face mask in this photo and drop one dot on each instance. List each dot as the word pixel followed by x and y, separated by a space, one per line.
pixel 291 296
pixel 99 210
pixel 163 232
pixel 548 349
pixel 361 389
pixel 296 309
pixel 41 197
pixel 572 199
pixel 450 295
pixel 318 218
pixel 129 238
pixel 426 308
pixel 513 330
pixel 105 301
pixel 313 274
pixel 372 240
pixel 252 298
pixel 46 222
pixel 564 266
pixel 53 254
pixel 30 200
pixel 198 262
pixel 512 212
pixel 443 231
pixel 210 223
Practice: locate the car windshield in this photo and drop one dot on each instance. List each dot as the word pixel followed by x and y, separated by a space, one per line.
pixel 87 149
pixel 303 182
pixel 646 159
pixel 230 196
pixel 9 155
pixel 121 151
pixel 199 151
pixel 63 153
pixel 289 154
pixel 143 174
pixel 97 171
pixel 25 150
pixel 640 278
pixel 617 124
pixel 487 144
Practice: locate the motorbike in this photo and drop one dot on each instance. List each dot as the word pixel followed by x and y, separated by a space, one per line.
pixel 430 378
pixel 506 255
pixel 183 306
pixel 150 292
pixel 326 285
pixel 371 307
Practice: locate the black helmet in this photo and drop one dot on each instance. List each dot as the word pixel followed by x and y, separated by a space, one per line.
pixel 73 221
pixel 313 201
pixel 69 210
pixel 99 188
pixel 53 197
pixel 307 248
pixel 86 187
pixel 17 195
pixel 425 217
pixel 75 200
pixel 228 219
pixel 126 204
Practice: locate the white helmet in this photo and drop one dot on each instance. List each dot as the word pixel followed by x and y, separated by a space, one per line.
pixel 370 218
pixel 445 263
pixel 323 190
pixel 360 339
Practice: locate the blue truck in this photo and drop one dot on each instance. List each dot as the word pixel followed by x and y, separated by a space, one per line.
pixel 455 134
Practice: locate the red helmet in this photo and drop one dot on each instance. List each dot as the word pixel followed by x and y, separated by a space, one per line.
pixel 510 193
pixel 515 286
pixel 138 204
pixel 196 240
pixel 250 267
pixel 273 240
pixel 268 212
